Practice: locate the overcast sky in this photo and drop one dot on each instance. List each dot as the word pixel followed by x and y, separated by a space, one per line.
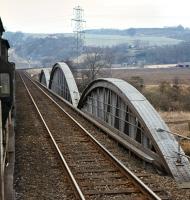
pixel 53 16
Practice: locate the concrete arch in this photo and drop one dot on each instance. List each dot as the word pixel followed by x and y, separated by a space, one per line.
pixel 44 77
pixel 119 106
pixel 63 83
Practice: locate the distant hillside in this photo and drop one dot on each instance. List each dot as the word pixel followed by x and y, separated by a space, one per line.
pixel 111 40
pixel 178 32
pixel 46 49
pixel 39 49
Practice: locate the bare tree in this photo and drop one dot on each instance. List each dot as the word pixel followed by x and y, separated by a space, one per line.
pixel 93 63
pixel 95 60
pixel 109 58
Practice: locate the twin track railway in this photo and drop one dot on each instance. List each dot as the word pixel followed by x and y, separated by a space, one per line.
pixel 94 173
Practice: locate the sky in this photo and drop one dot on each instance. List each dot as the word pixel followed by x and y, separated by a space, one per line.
pixel 54 16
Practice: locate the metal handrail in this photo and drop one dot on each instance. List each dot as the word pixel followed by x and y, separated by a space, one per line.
pixel 179 138
pixel 175 134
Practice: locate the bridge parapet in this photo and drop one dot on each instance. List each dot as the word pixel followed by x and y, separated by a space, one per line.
pixel 122 108
pixel 44 77
pixel 63 83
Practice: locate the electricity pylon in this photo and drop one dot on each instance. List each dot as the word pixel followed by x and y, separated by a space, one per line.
pixel 78 28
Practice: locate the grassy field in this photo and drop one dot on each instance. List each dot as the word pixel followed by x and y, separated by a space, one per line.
pixel 110 40
pixel 180 128
pixel 155 76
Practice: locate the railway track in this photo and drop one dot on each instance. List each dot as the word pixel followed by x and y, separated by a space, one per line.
pixel 38 170
pixel 93 171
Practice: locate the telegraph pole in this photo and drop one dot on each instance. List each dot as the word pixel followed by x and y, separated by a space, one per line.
pixel 78 28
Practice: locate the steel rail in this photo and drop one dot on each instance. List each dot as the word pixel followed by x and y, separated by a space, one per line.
pixel 144 188
pixel 74 182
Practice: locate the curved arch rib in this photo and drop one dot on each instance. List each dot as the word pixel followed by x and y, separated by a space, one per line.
pixel 44 77
pixel 63 83
pixel 121 107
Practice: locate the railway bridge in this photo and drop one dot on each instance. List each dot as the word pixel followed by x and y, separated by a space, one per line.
pixel 126 115
pixel 56 143
pixel 68 140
